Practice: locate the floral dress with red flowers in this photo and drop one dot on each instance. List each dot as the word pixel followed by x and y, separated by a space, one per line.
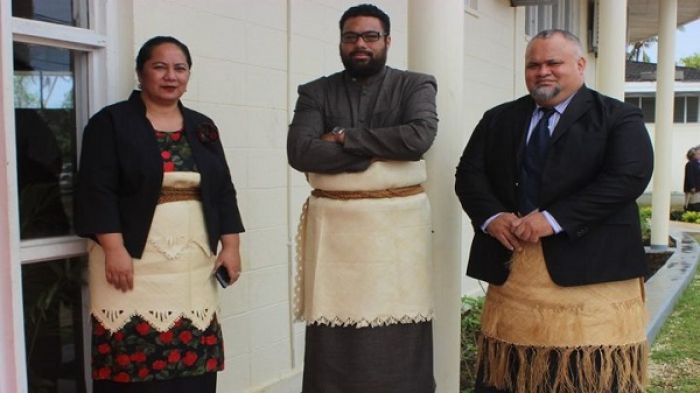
pixel 139 353
pixel 175 151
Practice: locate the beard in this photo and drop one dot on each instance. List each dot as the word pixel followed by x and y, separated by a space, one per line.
pixel 545 93
pixel 365 68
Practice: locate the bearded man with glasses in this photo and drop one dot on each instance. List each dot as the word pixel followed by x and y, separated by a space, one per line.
pixel 364 280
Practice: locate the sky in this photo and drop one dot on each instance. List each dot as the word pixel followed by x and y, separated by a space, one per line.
pixel 687 42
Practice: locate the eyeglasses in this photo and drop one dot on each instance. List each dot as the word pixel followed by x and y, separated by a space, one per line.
pixel 367 36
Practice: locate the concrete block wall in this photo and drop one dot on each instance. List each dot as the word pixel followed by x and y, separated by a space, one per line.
pixel 494 39
pixel 239 79
pixel 248 59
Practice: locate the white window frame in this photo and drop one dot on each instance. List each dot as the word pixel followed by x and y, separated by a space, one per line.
pixel 91 41
pixel 471 7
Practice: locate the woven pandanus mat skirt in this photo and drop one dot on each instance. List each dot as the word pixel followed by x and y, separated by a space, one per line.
pixel 538 337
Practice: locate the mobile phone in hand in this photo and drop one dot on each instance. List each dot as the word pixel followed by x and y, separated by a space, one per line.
pixel 222 276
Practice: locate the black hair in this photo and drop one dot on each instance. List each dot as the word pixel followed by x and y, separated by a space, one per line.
pixel 367 10
pixel 148 46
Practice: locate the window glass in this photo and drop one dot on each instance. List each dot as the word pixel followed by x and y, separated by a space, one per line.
pixel 649 109
pixel 691 109
pixel 64 12
pixel 45 126
pixel 679 109
pixel 53 325
pixel 555 14
pixel 632 100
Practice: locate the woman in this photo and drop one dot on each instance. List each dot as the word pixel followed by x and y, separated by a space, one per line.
pixel 154 192
pixel 691 182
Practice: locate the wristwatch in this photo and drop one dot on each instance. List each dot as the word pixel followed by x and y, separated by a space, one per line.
pixel 338 131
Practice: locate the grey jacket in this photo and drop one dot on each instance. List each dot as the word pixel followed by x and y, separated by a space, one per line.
pixel 390 116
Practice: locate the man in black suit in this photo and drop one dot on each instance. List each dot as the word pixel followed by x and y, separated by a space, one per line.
pixel 549 182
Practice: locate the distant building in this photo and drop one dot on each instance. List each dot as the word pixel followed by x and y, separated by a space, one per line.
pixel 640 90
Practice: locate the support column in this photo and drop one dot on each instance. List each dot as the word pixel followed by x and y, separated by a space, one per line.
pixel 435 46
pixel 612 43
pixel 663 134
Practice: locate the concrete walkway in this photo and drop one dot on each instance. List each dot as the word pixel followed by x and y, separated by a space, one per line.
pixel 665 287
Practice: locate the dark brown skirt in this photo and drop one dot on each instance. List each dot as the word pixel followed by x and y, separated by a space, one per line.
pixel 387 359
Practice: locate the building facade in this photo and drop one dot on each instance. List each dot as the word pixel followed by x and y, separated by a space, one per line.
pixel 640 90
pixel 63 60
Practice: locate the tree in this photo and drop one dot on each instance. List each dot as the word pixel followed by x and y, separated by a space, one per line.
pixel 692 61
pixel 639 49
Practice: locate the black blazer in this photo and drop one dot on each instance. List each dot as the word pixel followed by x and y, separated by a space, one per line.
pixel 121 172
pixel 692 176
pixel 599 161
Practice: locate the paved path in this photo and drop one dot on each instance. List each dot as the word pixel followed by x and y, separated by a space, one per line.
pixel 666 286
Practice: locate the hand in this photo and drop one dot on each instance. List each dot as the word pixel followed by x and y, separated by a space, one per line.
pixel 532 227
pixel 500 228
pixel 333 136
pixel 328 137
pixel 119 268
pixel 231 259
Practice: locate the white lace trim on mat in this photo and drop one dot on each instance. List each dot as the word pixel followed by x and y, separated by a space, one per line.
pixel 162 321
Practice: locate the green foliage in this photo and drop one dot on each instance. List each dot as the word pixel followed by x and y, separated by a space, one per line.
pixel 638 49
pixel 692 61
pixel 471 321
pixel 677 215
pixel 645 221
pixel 692 217
pixel 674 357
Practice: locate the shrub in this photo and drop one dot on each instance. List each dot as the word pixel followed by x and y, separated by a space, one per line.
pixel 677 215
pixel 692 217
pixel 645 220
pixel 471 320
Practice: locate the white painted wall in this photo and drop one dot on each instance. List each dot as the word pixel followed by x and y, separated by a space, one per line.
pixel 248 58
pixel 685 136
pixel 239 79
pixel 494 49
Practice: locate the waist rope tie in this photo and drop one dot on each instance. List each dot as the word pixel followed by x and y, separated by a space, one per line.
pixel 173 194
pixel 372 194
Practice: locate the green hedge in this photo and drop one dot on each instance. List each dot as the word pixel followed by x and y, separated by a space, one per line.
pixel 675 215
pixel 471 318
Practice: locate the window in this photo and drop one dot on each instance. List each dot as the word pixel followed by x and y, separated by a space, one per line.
pixel 646 103
pixel 56 51
pixel 555 14
pixel 53 325
pixel 64 12
pixel 45 129
pixel 471 5
pixel 678 109
pixel 686 108
pixel 692 107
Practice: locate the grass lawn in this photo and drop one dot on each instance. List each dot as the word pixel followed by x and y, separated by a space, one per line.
pixel 675 356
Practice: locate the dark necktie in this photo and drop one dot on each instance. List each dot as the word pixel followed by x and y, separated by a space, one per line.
pixel 539 140
pixel 531 170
